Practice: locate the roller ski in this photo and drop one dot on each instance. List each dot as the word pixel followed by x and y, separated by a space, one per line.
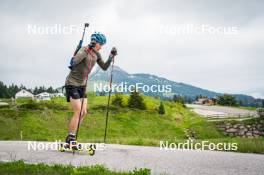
pixel 71 145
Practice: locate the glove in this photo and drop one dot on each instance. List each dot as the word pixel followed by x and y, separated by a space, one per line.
pixel 113 52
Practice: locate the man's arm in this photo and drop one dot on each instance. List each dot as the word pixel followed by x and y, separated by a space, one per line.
pixel 105 65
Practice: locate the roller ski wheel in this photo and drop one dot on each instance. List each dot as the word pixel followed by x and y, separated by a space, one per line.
pixel 61 147
pixel 91 150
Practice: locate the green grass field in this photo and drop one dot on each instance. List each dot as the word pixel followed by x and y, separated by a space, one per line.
pixel 48 121
pixel 19 167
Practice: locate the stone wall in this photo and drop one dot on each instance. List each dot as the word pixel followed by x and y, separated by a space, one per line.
pixel 243 130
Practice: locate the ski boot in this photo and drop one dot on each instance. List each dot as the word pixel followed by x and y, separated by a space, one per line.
pixel 71 142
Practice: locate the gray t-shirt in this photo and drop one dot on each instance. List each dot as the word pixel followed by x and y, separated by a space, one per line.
pixel 84 61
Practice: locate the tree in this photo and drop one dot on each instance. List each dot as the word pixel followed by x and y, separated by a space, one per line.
pixel 13 89
pixel 3 90
pixel 227 100
pixel 178 99
pixel 50 90
pixel 161 108
pixel 189 99
pixel 40 89
pixel 35 91
pixel 136 101
pixel 117 100
pixel 8 92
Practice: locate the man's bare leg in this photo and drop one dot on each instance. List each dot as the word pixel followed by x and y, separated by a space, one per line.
pixel 76 106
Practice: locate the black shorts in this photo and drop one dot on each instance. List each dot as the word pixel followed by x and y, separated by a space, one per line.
pixel 75 92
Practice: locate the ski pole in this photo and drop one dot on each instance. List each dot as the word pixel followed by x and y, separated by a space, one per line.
pixel 89 67
pixel 81 41
pixel 108 103
pixel 79 46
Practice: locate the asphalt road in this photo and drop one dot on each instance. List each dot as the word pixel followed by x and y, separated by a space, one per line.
pixel 124 157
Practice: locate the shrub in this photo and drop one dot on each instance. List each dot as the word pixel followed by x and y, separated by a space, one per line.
pixel 117 100
pixel 31 105
pixel 54 105
pixel 260 112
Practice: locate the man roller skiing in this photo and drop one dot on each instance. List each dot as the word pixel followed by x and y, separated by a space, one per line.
pixel 75 85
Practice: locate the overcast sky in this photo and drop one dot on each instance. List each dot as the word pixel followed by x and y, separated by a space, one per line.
pixel 148 36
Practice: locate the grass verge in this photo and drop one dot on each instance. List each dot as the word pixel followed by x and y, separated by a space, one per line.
pixel 21 168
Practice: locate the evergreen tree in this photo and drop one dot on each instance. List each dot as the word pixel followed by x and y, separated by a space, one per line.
pixel 3 90
pixel 35 91
pixel 136 101
pixel 178 99
pixel 10 91
pixel 13 89
pixel 161 108
pixel 50 90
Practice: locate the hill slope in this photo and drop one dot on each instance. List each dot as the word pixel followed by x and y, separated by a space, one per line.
pixel 48 121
